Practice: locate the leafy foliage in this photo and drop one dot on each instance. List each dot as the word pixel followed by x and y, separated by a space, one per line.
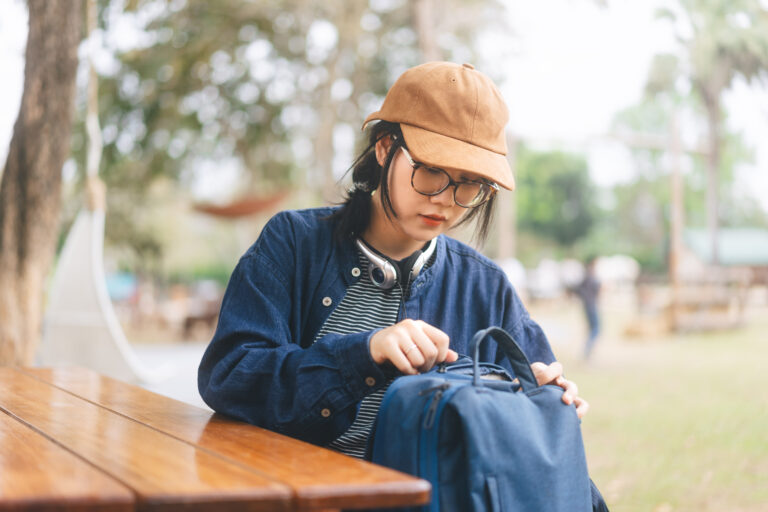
pixel 555 196
pixel 263 87
pixel 641 208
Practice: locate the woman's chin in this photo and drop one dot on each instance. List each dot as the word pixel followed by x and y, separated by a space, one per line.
pixel 424 232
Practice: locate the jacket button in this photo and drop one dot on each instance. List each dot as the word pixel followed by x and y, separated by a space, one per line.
pixel 325 413
pixel 327 301
pixel 370 381
pixel 356 272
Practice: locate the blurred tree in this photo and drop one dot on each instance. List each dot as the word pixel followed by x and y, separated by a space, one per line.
pixel 640 219
pixel 30 191
pixel 271 89
pixel 555 197
pixel 720 40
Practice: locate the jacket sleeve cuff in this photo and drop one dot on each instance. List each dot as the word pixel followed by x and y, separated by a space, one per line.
pixel 361 374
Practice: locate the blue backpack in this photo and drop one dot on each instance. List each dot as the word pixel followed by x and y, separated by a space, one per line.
pixel 485 443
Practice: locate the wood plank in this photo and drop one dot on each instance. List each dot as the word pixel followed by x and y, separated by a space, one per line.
pixel 320 478
pixel 163 472
pixel 38 474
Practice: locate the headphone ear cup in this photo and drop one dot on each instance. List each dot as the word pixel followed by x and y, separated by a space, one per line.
pixel 381 272
pixel 383 275
pixel 376 275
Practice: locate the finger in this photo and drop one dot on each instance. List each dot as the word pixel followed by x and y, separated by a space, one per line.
pixel 426 346
pixel 396 355
pixel 440 339
pixel 582 407
pixel 409 348
pixel 571 390
pixel 398 359
pixel 408 336
pixel 451 356
pixel 546 374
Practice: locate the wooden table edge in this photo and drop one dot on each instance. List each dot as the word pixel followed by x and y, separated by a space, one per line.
pixel 414 493
pixel 74 504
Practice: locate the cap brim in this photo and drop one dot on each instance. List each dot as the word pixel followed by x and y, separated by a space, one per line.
pixel 441 151
pixel 372 117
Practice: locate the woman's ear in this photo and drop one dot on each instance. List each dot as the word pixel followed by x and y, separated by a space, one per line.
pixel 382 149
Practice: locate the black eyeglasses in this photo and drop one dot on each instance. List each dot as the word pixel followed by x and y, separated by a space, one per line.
pixel 431 181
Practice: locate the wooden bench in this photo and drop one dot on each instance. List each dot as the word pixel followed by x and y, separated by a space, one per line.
pixel 154 453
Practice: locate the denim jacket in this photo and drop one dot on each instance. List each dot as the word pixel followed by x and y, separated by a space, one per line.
pixel 262 365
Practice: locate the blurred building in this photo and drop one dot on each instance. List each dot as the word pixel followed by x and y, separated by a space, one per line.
pixel 737 247
pixel 716 295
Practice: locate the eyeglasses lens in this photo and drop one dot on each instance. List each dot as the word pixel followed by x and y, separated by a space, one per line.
pixel 430 181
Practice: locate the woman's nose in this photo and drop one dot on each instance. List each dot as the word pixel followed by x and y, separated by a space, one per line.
pixel 445 197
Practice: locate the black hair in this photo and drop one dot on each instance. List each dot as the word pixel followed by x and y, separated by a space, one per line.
pixel 367 175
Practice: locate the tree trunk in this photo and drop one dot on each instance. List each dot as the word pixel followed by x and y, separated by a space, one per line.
pixel 324 150
pixel 713 173
pixel 677 219
pixel 348 26
pixel 506 217
pixel 424 23
pixel 30 191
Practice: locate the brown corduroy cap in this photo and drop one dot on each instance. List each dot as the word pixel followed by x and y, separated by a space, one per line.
pixel 451 115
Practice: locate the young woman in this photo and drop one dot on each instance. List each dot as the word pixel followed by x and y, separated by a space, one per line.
pixel 331 304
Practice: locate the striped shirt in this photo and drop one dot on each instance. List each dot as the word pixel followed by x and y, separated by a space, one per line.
pixel 364 307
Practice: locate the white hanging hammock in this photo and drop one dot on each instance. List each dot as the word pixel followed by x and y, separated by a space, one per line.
pixel 80 325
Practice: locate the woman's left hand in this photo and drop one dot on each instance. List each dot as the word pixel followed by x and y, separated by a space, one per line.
pixel 553 374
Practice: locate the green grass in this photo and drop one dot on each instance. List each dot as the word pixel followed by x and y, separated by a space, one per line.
pixel 676 423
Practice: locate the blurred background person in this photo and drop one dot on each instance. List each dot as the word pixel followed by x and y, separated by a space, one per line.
pixel 588 291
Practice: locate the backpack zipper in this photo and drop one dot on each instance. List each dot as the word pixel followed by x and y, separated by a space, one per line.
pixel 429 419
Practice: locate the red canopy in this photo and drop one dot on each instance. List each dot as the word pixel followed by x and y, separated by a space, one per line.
pixel 242 207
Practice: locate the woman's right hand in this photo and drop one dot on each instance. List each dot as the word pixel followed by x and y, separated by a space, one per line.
pixel 412 346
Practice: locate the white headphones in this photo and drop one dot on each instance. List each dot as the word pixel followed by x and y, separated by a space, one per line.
pixel 383 273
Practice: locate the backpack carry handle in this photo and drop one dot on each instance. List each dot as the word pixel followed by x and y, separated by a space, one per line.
pixel 520 364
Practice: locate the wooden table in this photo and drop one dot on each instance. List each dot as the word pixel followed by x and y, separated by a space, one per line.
pixel 71 439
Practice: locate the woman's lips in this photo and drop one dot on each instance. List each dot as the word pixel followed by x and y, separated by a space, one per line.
pixel 432 220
